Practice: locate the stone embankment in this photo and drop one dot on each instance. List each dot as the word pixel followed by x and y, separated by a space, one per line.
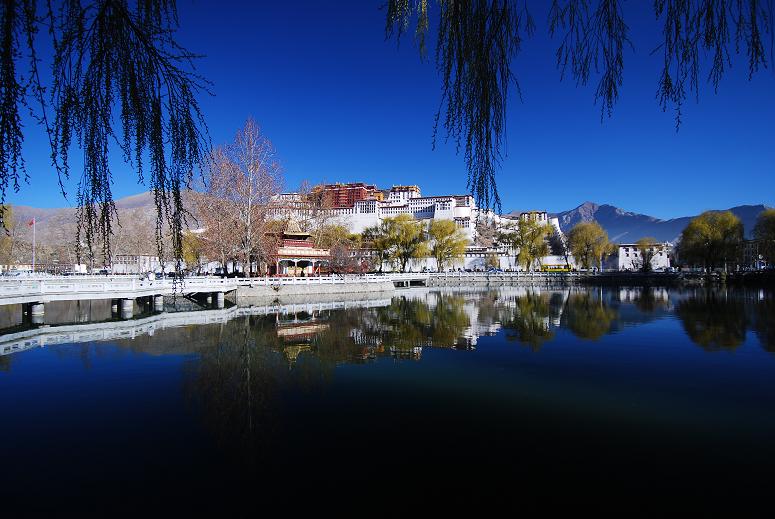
pixel 263 289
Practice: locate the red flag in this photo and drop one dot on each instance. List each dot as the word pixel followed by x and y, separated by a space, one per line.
pixel 31 222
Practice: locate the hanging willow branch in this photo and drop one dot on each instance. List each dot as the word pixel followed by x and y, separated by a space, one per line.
pixel 593 41
pixel 692 26
pixel 475 44
pixel 120 81
pixel 477 40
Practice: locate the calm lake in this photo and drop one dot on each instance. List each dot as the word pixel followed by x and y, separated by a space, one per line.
pixel 526 397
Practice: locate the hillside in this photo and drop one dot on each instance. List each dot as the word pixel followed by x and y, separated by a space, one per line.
pixel 624 226
pixel 56 227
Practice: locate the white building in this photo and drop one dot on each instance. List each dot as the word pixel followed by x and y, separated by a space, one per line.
pixel 461 209
pixel 398 200
pixel 630 257
pixel 135 263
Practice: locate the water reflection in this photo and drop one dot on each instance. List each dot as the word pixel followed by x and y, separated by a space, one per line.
pixel 713 320
pixel 589 316
pixel 528 321
pixel 402 326
pixel 304 396
pixel 764 322
pixel 651 299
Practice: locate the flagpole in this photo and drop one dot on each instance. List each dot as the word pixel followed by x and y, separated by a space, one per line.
pixel 33 245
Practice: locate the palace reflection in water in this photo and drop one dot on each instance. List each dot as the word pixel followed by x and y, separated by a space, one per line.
pixel 282 389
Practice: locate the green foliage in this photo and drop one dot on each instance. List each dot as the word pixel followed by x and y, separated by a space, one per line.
pixel 329 236
pixel 449 242
pixel 712 239
pixel 382 239
pixel 412 241
pixel 764 231
pixel 528 239
pixel 398 240
pixel 193 249
pixel 588 243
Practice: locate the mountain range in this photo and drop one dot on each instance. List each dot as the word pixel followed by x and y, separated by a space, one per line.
pixel 627 227
pixel 55 225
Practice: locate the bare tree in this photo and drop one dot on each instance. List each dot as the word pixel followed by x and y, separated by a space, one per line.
pixel 241 180
pixel 314 210
pixel 216 225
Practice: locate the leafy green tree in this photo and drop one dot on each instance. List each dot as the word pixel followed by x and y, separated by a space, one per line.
pixel 588 242
pixel 398 240
pixel 329 236
pixel 529 241
pixel 448 242
pixel 193 250
pixel 382 239
pixel 476 41
pixel 764 231
pixel 712 239
pixel 411 240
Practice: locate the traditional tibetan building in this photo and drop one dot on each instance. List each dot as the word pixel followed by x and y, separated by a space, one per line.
pixel 297 254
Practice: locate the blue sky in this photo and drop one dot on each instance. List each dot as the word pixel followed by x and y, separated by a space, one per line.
pixel 341 103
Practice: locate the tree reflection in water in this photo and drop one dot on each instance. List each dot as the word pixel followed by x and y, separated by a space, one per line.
pixel 239 380
pixel 528 320
pixel 650 299
pixel 764 322
pixel 588 316
pixel 247 367
pixel 713 321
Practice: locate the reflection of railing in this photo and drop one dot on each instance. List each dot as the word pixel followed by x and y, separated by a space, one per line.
pixel 518 275
pixel 115 330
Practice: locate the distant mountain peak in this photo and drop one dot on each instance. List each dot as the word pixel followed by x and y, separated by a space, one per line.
pixel 625 226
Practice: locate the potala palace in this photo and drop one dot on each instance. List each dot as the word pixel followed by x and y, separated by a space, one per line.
pixel 359 205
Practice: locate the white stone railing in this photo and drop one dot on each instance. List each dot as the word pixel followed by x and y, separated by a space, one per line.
pixel 53 288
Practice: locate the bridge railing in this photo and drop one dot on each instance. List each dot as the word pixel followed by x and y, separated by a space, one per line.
pixel 91 285
pixel 133 285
